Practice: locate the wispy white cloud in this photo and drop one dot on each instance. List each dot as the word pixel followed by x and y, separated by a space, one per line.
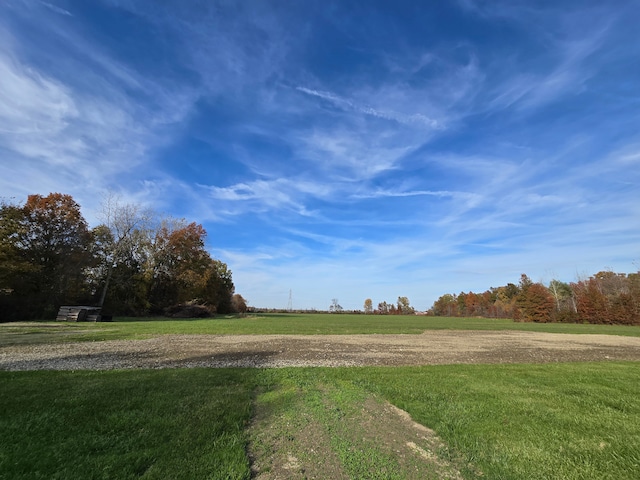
pixel 47 121
pixel 85 130
pixel 265 195
pixel 534 89
pixel 57 9
pixel 30 102
pixel 350 154
pixel 626 156
pixel 413 119
pixel 568 40
pixel 470 197
pixel 229 46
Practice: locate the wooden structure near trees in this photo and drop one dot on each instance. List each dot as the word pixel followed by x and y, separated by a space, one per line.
pixel 78 313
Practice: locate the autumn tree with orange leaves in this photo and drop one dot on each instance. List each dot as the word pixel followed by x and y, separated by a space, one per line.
pixel 183 271
pixel 605 298
pixel 534 302
pixel 45 249
pixel 130 265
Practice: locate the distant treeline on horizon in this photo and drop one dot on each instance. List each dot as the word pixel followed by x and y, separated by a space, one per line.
pixel 604 298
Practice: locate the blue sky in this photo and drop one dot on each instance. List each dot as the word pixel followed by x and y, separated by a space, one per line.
pixel 343 149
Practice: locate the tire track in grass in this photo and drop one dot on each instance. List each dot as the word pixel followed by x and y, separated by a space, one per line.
pixel 340 432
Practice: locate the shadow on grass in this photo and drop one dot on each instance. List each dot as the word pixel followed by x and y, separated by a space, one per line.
pixel 144 359
pixel 157 319
pixel 126 424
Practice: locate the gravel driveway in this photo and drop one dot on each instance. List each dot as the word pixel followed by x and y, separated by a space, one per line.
pixel 429 348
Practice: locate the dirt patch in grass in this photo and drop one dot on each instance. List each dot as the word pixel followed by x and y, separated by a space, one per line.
pixel 434 347
pixel 339 434
pixel 289 443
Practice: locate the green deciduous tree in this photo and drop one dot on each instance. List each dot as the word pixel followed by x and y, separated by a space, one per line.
pixel 219 288
pixel 446 306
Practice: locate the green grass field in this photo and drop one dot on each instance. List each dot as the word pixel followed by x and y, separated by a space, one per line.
pixel 562 421
pixel 135 424
pixel 552 421
pixel 282 324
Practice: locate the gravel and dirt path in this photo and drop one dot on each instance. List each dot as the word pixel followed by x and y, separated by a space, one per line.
pixel 430 348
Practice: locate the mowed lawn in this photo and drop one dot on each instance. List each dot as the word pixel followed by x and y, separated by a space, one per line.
pixel 553 421
pixel 559 421
pixel 281 324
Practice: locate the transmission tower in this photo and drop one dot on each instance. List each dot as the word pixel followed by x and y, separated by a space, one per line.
pixel 290 304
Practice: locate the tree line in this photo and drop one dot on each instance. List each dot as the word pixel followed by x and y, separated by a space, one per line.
pixel 402 307
pixel 603 298
pixel 134 263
